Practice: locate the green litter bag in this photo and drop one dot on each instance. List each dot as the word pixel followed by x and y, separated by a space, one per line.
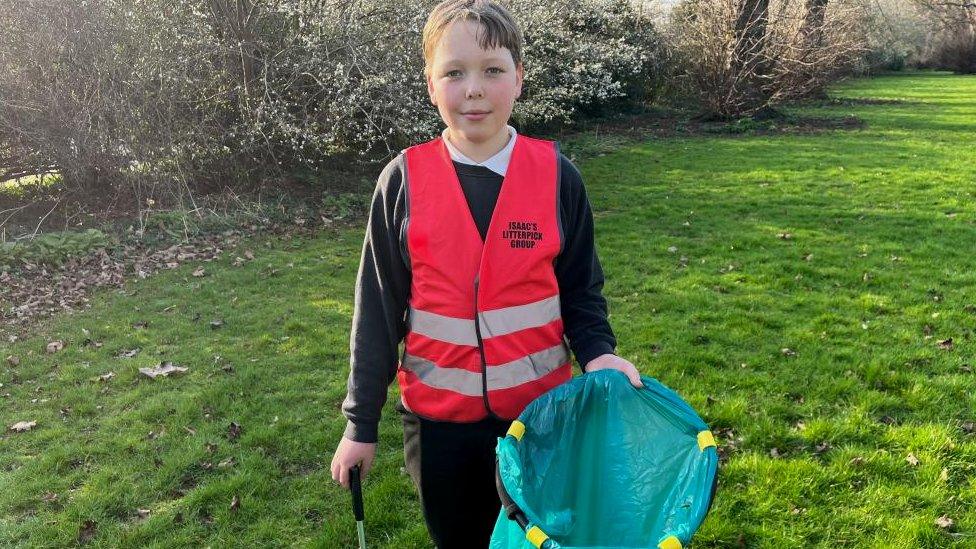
pixel 596 463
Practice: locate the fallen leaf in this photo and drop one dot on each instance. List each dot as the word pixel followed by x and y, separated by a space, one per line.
pixel 968 427
pixel 199 271
pixel 946 344
pixel 785 236
pixel 106 377
pixel 233 431
pixel 808 257
pixel 229 462
pixel 190 430
pixel 821 448
pixel 141 325
pixel 238 261
pixel 128 354
pixel 787 351
pixel 22 426
pixel 249 254
pixel 912 460
pixel 229 368
pixel 235 503
pixel 13 360
pixel 162 369
pixel 672 249
pixel 217 323
pixel 944 522
pixel 944 475
pixel 210 447
pixel 774 453
pixel 856 460
pixel 55 346
pixel 49 497
pixel 142 513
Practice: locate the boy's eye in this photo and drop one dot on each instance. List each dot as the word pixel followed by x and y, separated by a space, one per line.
pixel 453 73
pixel 496 69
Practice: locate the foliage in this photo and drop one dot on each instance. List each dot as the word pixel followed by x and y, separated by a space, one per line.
pixel 52 248
pixel 223 92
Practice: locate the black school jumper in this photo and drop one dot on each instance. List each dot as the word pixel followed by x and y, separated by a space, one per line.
pixel 452 464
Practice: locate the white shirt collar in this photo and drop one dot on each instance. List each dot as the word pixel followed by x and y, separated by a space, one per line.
pixel 497 163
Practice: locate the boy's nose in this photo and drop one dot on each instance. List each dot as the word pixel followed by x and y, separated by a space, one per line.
pixel 475 92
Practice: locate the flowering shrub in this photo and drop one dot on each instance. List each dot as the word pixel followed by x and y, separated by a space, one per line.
pixel 227 91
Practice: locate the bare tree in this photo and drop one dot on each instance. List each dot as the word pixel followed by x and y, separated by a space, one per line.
pixel 742 57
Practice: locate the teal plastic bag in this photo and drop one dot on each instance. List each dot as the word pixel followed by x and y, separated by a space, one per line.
pixel 601 464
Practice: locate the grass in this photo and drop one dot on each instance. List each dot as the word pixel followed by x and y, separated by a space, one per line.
pixel 706 290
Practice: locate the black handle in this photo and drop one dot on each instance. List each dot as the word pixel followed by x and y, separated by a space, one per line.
pixel 355 485
pixel 511 508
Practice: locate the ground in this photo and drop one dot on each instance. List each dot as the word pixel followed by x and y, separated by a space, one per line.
pixel 812 295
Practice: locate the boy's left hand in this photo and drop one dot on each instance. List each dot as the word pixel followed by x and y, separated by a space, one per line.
pixel 614 362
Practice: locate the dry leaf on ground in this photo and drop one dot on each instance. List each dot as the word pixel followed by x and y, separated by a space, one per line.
pixel 162 369
pixel 22 426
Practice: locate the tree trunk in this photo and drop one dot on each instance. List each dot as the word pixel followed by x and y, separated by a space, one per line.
pixel 749 61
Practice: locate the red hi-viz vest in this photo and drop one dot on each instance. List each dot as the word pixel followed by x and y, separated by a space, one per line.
pixel 485 335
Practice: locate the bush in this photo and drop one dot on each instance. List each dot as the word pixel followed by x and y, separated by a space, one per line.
pixel 955 51
pixel 739 58
pixel 51 248
pixel 226 92
pixel 895 32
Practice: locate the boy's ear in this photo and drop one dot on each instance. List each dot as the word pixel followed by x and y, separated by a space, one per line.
pixel 519 75
pixel 430 90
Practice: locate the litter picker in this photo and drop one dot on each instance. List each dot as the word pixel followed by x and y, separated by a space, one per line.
pixel 356 487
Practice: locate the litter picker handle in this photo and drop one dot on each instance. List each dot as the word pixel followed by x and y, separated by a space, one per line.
pixel 511 508
pixel 356 487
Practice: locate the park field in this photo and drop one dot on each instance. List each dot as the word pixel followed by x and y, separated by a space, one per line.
pixel 811 294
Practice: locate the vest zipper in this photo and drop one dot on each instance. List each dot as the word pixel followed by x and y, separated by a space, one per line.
pixel 481 351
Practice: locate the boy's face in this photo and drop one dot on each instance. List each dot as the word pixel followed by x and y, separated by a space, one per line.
pixel 474 89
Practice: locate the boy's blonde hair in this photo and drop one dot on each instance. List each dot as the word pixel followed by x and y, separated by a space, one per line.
pixel 498 27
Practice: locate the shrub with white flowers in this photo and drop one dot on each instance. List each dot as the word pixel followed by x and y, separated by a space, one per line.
pixel 234 90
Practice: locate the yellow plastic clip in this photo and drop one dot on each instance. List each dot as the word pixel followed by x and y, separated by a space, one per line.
pixel 537 537
pixel 671 542
pixel 517 429
pixel 705 439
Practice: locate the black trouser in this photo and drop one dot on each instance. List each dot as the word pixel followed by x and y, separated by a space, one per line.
pixel 453 467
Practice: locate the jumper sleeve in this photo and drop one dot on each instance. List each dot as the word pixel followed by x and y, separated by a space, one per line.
pixel 579 274
pixel 378 324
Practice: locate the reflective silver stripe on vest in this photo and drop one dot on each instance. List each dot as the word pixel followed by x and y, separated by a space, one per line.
pixel 504 321
pixel 498 322
pixel 511 374
pixel 459 331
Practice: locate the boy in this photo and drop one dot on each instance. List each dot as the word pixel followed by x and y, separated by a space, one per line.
pixel 482 279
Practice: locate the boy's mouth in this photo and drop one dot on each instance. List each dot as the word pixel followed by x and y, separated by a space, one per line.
pixel 475 115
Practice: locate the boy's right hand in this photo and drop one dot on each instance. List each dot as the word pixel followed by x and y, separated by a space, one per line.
pixel 349 453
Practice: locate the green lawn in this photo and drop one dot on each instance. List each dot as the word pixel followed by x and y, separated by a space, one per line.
pixel 854 250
